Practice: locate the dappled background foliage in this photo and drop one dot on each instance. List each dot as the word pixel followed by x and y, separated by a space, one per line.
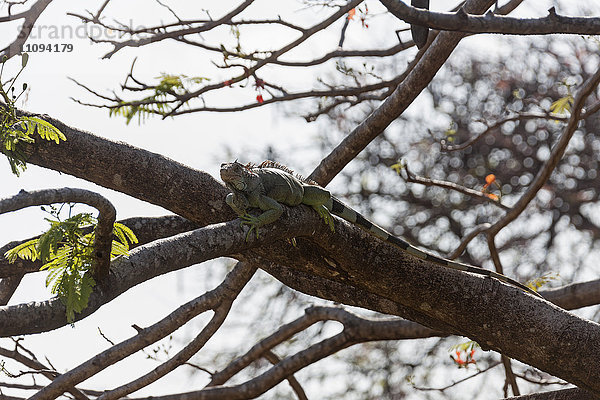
pixel 469 96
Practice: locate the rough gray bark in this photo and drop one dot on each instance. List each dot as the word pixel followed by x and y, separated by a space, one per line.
pixel 461 21
pixel 565 394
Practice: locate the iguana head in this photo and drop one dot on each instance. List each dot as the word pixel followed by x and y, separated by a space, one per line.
pixel 235 175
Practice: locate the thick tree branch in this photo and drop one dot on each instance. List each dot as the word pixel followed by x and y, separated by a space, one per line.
pixel 371 329
pixel 146 229
pixel 356 330
pixel 575 295
pixel 461 21
pixel 220 313
pixel 563 394
pixel 143 263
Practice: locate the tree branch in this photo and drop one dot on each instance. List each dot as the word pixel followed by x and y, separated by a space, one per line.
pixel 563 394
pixel 296 387
pixel 220 313
pixel 556 154
pixel 143 263
pixel 461 21
pixel 370 329
pixel 431 61
pixel 225 292
pixel 30 17
pixel 174 34
pixel 146 229
pixel 475 194
pixel 349 265
pixel 36 365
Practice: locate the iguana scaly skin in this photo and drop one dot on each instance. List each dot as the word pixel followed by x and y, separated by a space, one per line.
pixel 269 185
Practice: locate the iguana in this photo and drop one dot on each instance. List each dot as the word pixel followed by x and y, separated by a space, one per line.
pixel 269 185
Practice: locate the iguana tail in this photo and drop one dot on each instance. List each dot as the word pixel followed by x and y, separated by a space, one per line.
pixel 341 210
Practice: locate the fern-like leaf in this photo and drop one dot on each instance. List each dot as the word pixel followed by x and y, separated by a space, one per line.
pixel 24 251
pixel 67 256
pixel 118 249
pixel 124 233
pixel 562 105
pixel 45 129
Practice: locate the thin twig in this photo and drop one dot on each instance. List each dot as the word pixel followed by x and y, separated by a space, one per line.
pixel 30 17
pixel 410 177
pixel 450 385
pixel 555 156
pixel 467 239
pixel 296 387
pixel 510 375
pixel 497 125
pixel 221 312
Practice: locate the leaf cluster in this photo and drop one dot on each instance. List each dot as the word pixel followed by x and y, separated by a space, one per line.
pixel 17 131
pixel 66 251
pixel 168 87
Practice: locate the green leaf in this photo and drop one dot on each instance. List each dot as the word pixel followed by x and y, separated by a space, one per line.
pixel 465 346
pixel 126 232
pixel 45 129
pixel 24 251
pixel 24 59
pixel 562 105
pixel 67 256
pixel 398 167
pixel 537 283
pixel 20 131
pixel 118 249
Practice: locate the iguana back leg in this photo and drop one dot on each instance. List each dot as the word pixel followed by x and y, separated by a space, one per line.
pixel 317 197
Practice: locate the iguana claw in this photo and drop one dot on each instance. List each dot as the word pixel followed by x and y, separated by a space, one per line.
pixel 326 215
pixel 253 222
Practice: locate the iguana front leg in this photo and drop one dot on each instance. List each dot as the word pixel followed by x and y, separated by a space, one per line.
pixel 239 204
pixel 272 210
